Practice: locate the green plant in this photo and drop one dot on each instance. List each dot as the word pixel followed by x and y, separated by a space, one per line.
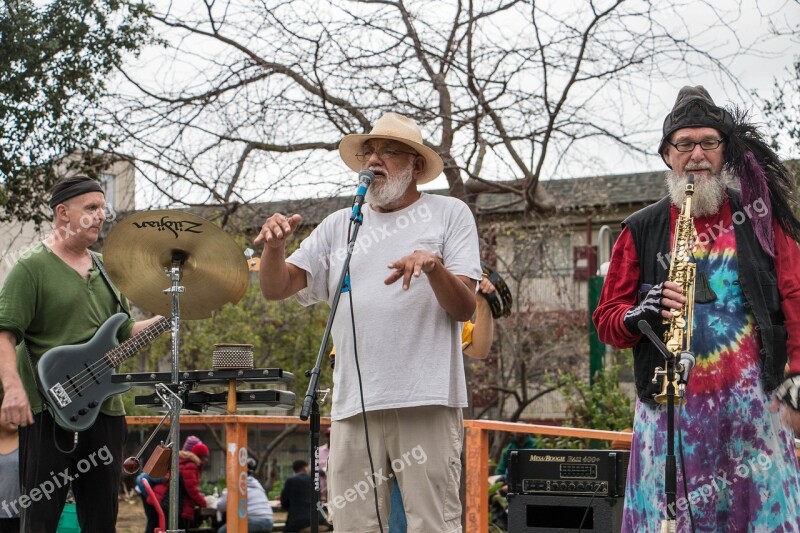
pixel 601 405
pixel 275 492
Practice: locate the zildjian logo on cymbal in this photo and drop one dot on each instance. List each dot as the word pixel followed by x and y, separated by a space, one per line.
pixel 174 226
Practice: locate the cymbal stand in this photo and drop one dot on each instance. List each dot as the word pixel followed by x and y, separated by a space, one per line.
pixel 174 401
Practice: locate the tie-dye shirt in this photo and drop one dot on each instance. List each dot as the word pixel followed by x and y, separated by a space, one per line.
pixel 740 462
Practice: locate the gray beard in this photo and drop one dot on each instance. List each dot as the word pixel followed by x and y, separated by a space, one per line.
pixel 391 189
pixel 709 192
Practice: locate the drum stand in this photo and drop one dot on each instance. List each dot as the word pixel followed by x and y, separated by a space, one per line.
pixel 190 250
pixel 176 392
pixel 175 403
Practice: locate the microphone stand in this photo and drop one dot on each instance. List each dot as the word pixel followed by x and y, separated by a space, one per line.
pixel 311 403
pixel 669 524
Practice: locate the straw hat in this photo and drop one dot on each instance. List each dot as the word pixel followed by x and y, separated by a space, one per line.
pixel 397 128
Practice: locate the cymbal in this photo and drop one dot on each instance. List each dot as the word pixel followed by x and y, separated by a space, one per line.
pixel 138 254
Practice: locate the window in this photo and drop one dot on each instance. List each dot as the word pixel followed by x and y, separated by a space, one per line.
pixel 109 184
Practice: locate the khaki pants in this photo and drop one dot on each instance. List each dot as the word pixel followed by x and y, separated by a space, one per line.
pixel 417 447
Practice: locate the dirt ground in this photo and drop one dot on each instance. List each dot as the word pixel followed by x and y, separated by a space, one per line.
pixel 131 517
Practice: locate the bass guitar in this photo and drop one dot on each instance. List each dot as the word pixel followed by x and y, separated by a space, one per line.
pixel 76 380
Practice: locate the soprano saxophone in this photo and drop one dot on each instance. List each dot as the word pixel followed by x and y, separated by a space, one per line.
pixel 678 337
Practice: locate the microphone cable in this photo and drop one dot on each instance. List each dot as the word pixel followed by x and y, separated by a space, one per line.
pixel 361 394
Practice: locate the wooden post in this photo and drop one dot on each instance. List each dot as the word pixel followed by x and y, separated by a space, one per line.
pixel 477 472
pixel 231 407
pixel 236 474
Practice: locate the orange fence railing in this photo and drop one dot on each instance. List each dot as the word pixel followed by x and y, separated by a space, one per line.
pixel 476 452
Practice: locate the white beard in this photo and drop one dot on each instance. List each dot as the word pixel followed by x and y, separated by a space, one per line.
pixel 391 189
pixel 709 191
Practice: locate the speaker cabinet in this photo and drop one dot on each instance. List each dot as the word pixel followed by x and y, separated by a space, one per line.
pixel 535 513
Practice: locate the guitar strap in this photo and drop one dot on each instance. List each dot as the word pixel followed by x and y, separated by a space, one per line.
pixel 103 272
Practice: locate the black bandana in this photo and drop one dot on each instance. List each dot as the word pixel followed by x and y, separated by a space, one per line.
pixel 67 188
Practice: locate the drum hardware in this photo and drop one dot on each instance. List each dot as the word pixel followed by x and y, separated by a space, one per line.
pixel 202 401
pixel 209 377
pixel 132 465
pixel 232 356
pixel 253 263
pixel 217 402
pixel 200 260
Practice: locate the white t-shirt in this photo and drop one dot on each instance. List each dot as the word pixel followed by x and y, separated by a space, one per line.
pixel 409 348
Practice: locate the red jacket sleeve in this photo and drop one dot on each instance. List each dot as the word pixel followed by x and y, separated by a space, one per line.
pixel 787 259
pixel 620 293
pixel 191 480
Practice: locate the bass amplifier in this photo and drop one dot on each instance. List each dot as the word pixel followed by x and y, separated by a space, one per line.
pixel 600 473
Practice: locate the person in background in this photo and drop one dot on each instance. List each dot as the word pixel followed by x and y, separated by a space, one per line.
pixel 149 508
pixel 477 334
pixel 190 465
pixel 324 453
pixel 746 327
pixel 189 443
pixel 259 511
pixel 296 499
pixel 9 476
pixel 519 441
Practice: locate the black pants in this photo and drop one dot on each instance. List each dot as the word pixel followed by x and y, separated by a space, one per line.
pixel 93 469
pixel 151 514
pixel 9 525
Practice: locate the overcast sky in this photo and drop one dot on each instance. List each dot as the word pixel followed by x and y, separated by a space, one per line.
pixel 768 57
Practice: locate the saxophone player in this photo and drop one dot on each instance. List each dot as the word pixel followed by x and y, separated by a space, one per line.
pixel 740 471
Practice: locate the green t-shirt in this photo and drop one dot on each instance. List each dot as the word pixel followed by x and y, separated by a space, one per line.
pixel 46 303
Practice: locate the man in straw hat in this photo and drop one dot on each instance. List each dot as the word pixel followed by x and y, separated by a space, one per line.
pixel 739 470
pixel 55 295
pixel 400 342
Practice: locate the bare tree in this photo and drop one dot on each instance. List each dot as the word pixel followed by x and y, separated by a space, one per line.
pixel 251 96
pixel 546 336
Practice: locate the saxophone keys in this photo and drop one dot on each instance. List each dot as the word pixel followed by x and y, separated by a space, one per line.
pixel 674 345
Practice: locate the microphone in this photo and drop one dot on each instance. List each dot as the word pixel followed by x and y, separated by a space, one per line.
pixel 685 365
pixel 686 361
pixel 365 177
